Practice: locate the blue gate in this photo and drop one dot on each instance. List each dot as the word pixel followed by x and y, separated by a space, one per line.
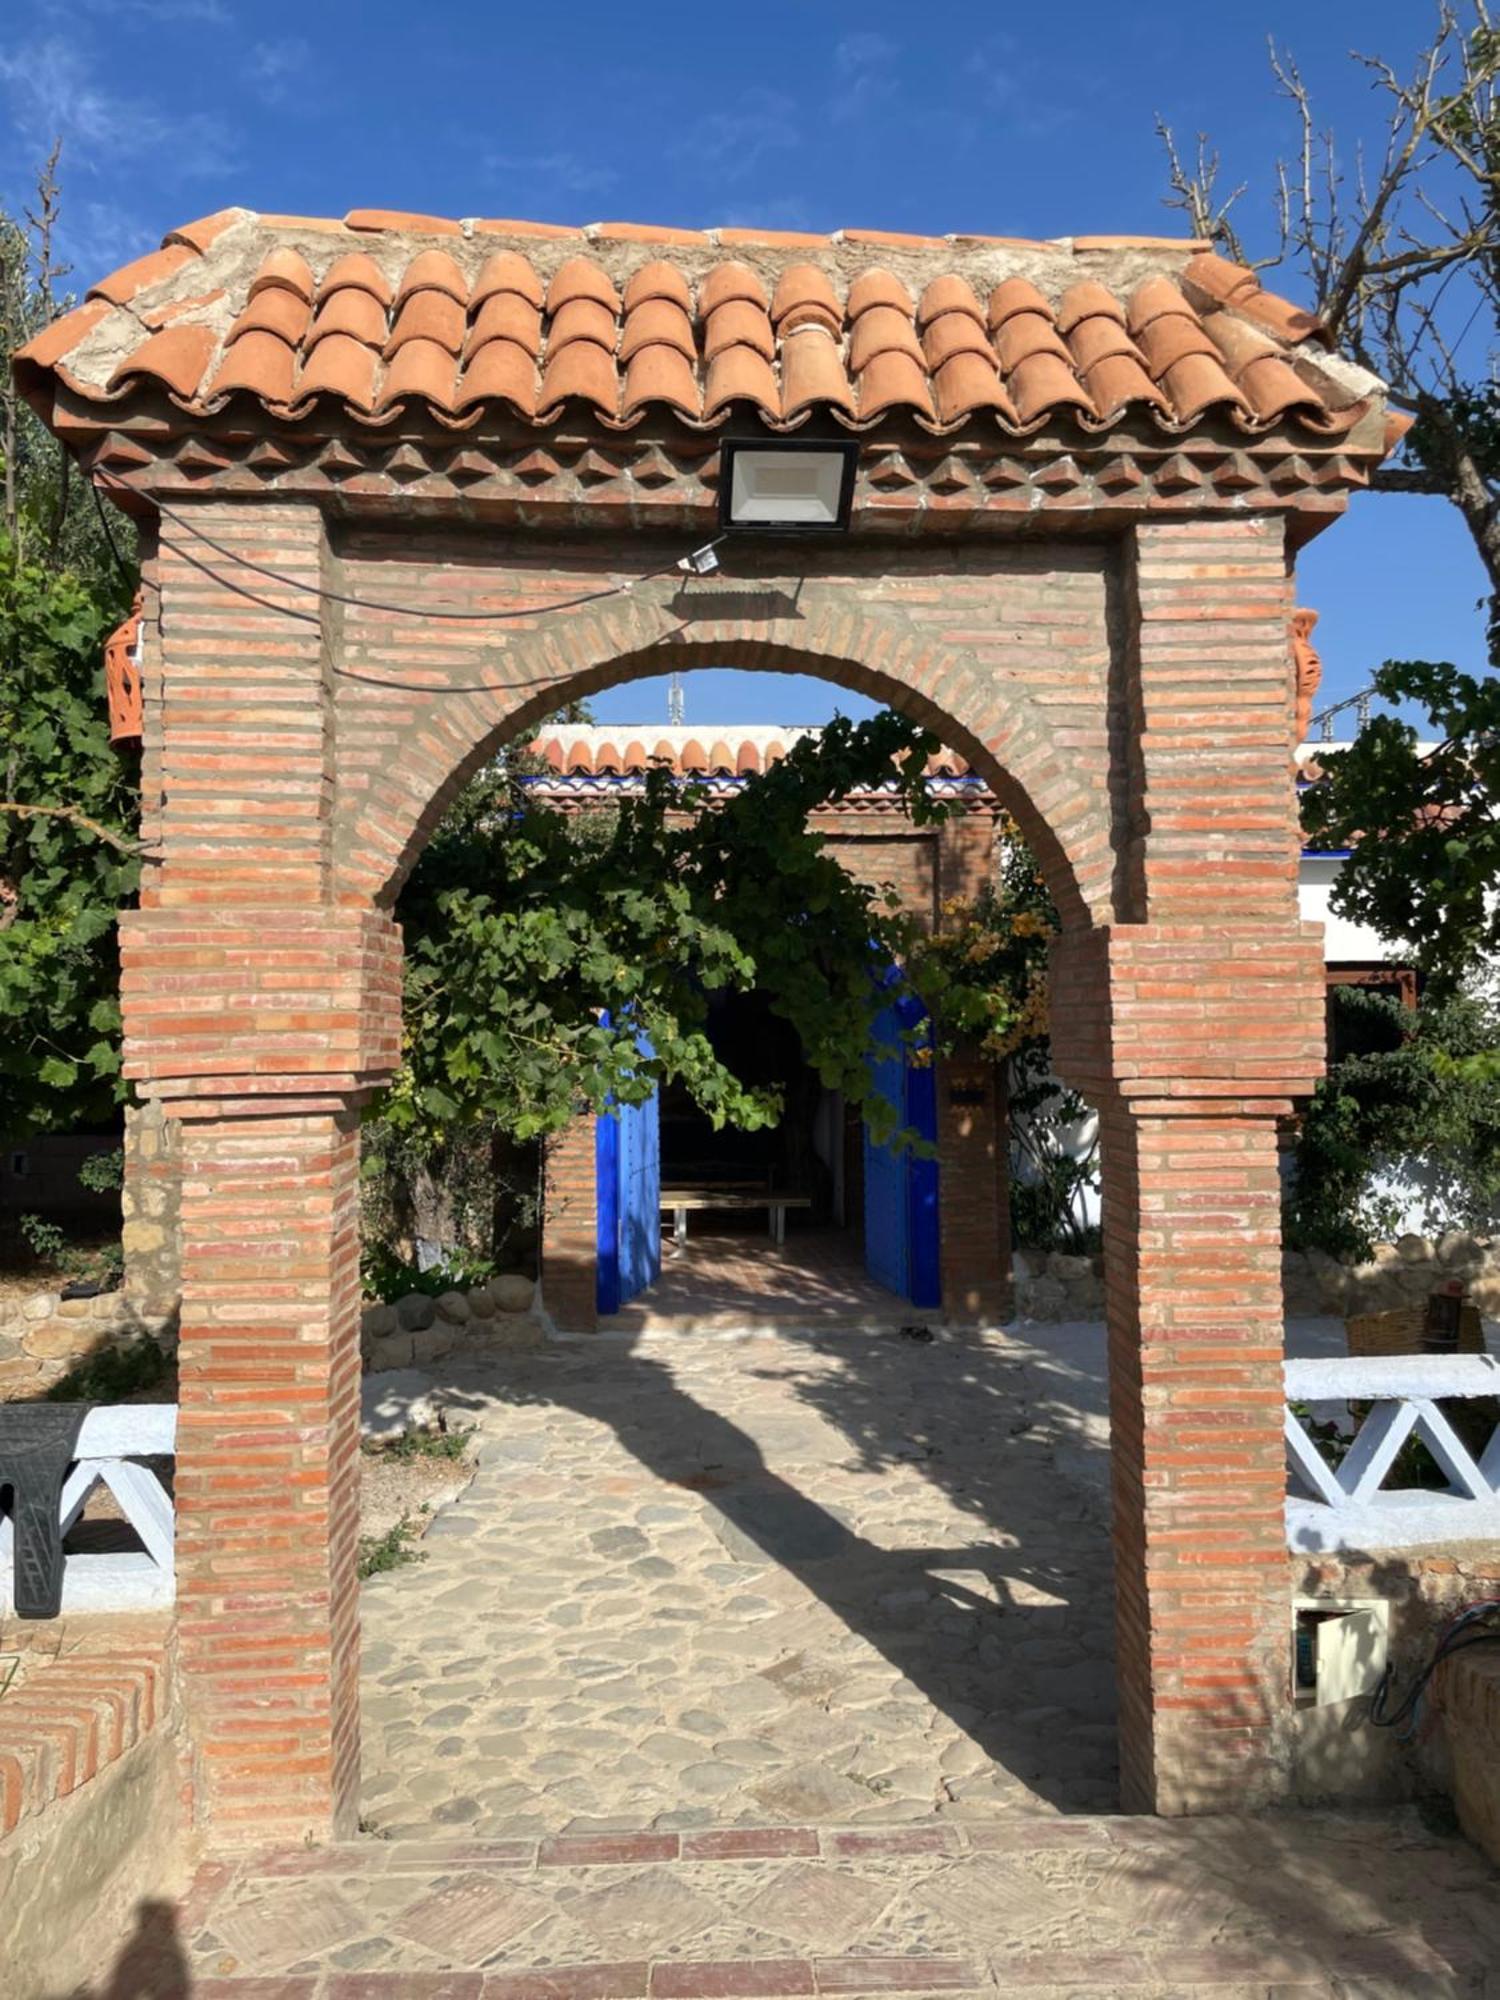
pixel 901 1190
pixel 627 1174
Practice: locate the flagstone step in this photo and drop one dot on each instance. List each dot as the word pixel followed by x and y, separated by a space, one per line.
pixel 1316 1905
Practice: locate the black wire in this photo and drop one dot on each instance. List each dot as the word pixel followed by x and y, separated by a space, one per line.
pixel 1458 1638
pixel 399 610
pixel 353 673
pixel 109 536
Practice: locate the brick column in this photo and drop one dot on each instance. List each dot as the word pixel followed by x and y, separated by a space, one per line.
pixel 1191 1042
pixel 259 1014
pixel 975 1192
pixel 268 1472
pixel 569 1228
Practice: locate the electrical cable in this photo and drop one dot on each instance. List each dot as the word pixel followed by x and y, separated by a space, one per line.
pixel 1458 1636
pixel 109 535
pixel 398 610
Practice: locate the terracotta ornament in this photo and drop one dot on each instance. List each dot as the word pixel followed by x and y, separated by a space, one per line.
pixel 122 678
pixel 1308 663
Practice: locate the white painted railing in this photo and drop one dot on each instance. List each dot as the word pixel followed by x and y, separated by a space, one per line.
pixel 111 1444
pixel 1350 1506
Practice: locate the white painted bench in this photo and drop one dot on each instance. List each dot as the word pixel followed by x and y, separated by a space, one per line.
pixel 110 1444
pixel 1349 1506
pixel 682 1200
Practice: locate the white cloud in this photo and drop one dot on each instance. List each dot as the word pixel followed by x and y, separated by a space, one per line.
pixel 54 95
pixel 863 75
pixel 568 173
pixel 274 66
pixel 733 140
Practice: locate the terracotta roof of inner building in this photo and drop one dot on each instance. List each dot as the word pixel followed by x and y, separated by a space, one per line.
pixel 383 312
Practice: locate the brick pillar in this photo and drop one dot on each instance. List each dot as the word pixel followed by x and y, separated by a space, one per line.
pixel 259 1012
pixel 268 1473
pixel 150 1208
pixel 569 1226
pixel 1191 1041
pixel 974 1189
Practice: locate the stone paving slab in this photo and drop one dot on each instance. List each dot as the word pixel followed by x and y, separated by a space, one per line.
pixel 793 1577
pixel 1349 1907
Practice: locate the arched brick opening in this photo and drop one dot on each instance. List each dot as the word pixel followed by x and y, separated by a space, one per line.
pixel 1073 558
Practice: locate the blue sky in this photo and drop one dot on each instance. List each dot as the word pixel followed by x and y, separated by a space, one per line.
pixel 789 114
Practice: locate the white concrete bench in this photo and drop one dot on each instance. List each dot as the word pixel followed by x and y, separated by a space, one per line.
pixel 111 1443
pixel 1349 1506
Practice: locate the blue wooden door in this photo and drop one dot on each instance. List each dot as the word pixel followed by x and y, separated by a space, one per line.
pixel 902 1222
pixel 627 1175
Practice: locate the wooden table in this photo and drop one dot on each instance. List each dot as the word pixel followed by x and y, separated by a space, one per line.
pixel 681 1200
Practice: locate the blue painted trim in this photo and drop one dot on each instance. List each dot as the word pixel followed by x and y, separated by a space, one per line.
pixel 607 1212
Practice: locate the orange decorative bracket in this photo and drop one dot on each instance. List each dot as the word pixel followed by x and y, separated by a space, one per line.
pixel 1308 663
pixel 122 678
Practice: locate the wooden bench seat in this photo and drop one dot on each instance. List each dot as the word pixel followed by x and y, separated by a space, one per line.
pixel 681 1200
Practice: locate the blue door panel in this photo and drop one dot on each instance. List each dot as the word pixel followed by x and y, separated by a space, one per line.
pixel 902 1216
pixel 627 1172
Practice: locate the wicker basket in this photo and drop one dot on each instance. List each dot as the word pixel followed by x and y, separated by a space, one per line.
pixel 1403 1330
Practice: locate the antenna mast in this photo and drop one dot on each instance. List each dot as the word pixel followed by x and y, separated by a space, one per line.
pixel 674 701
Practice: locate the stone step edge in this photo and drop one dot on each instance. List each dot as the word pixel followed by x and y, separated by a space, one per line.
pixel 522 1853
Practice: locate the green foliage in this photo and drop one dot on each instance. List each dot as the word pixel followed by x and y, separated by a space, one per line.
pixel 386 1276
pixel 103 1173
pixel 1411 1091
pixel 1423 829
pixel 392 1550
pixel 113 1375
pixel 542 947
pixel 421 1441
pixel 100 1264
pixel 61 884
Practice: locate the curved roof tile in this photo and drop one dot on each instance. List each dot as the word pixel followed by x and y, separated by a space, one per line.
pixel 934 333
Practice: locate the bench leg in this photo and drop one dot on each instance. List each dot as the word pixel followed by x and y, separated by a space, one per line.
pixel 679 1224
pixel 778 1226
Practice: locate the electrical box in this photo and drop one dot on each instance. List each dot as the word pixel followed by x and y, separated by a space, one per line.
pixel 1340 1648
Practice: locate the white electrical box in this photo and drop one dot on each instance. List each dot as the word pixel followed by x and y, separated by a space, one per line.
pixel 1340 1647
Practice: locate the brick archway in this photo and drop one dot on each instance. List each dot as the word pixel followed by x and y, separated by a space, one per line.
pixel 1073 525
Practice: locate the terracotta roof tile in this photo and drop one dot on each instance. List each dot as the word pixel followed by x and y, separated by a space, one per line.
pixel 177 357
pixel 802 286
pixel 583 319
pixel 657 321
pixel 661 374
pixel 731 281
pixel 507 226
pixel 893 378
pixel 420 368
pixel 812 371
pixel 878 288
pixel 883 330
pixel 275 311
pixel 349 310
pixel 340 366
pixel 505 316
pixel 582 369
pixel 581 278
pixel 739 323
pixel 399 219
pixel 121 286
pixel 286 270
pixel 48 347
pixel 507 271
pixel 260 363
pixel 429 315
pixel 435 271
pixel 658 280
pixel 868 326
pixel 740 374
pixel 358 269
pixel 501 371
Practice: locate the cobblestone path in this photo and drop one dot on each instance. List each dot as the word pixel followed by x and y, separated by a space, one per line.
pixel 1306 1907
pixel 831 1578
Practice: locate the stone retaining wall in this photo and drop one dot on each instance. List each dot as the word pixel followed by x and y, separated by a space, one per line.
pixel 419 1328
pixel 1395 1274
pixel 1052 1285
pixel 46 1335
